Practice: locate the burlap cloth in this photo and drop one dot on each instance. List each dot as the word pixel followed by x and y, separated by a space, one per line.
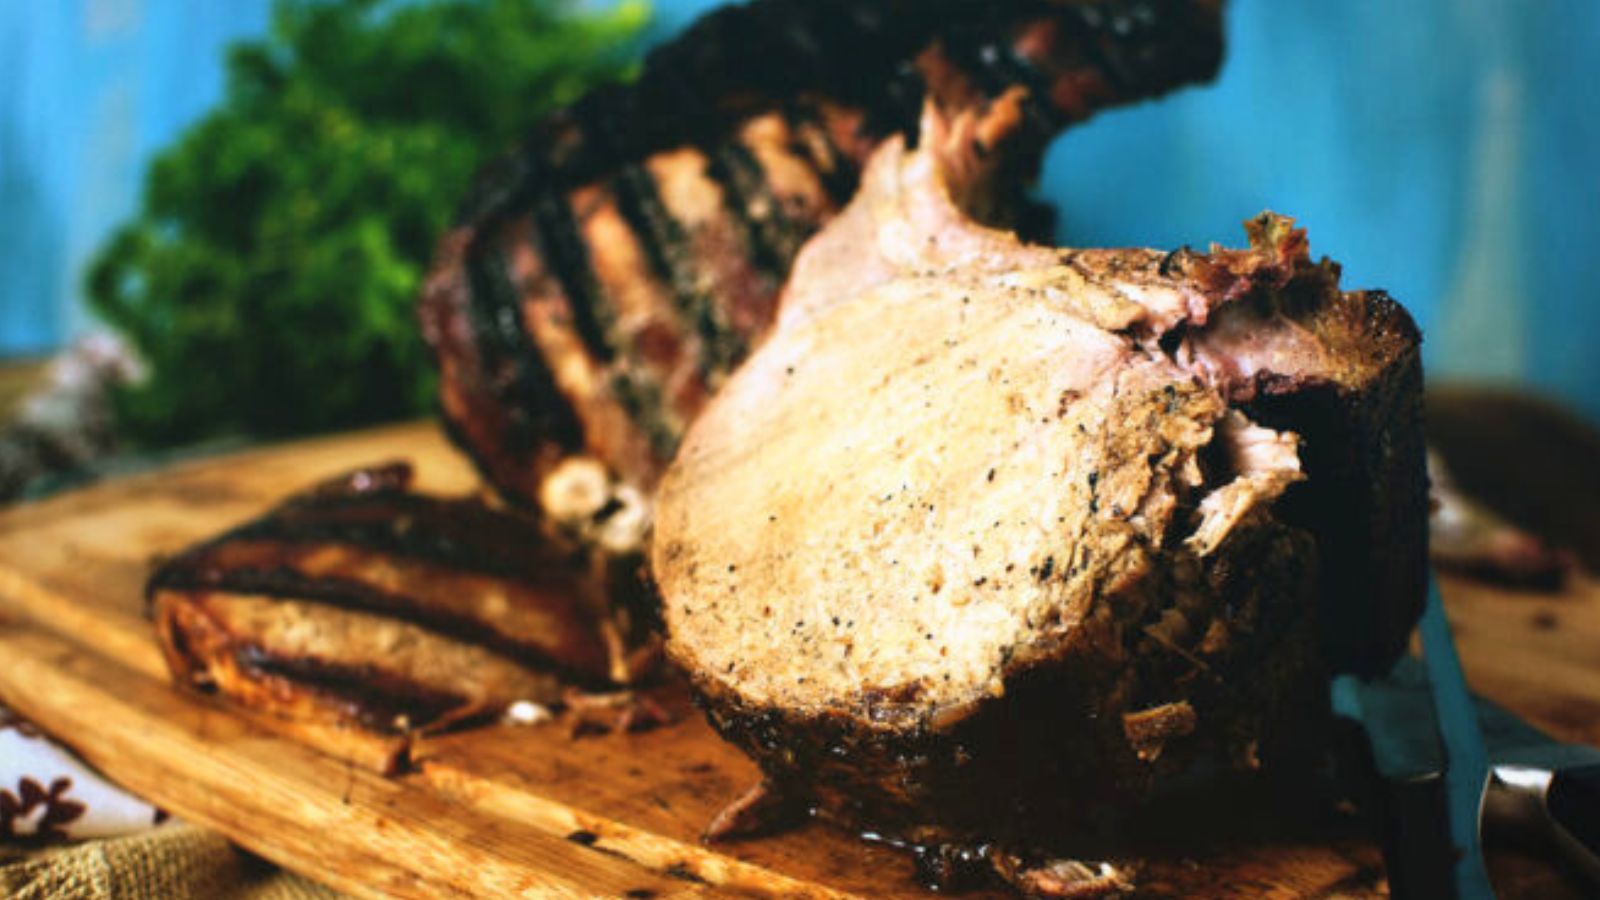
pixel 176 862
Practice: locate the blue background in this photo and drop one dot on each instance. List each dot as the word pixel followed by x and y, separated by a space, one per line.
pixel 1446 150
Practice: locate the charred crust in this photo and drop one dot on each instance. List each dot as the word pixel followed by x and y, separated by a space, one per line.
pixel 286 583
pixel 463 535
pixel 744 190
pixel 838 172
pixel 1365 498
pixel 379 701
pixel 518 382
pixel 563 249
pixel 1000 769
pixel 669 252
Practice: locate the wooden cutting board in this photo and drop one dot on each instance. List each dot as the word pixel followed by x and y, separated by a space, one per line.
pixel 512 810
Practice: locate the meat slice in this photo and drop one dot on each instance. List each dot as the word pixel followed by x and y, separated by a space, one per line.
pixel 360 602
pixel 303 659
pixel 988 537
pixel 603 280
pixel 1468 537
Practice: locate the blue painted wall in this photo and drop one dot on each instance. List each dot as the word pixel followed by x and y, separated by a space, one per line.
pixel 89 89
pixel 1448 150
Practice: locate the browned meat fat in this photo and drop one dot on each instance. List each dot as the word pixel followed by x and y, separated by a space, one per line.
pixel 987 537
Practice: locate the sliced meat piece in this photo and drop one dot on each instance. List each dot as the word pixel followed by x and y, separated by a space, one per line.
pixel 542 621
pixel 360 602
pixel 1470 538
pixel 988 538
pixel 306 660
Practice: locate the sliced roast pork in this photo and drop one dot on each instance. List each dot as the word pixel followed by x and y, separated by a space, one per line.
pixel 988 538
pixel 362 602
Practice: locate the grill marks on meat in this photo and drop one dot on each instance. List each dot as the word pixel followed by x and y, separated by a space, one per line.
pixel 603 280
pixel 637 294
pixel 512 618
pixel 989 537
pixel 359 601
pixel 319 663
pixel 486 338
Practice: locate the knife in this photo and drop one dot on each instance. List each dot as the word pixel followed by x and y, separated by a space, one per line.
pixel 1542 792
pixel 1450 767
pixel 1401 755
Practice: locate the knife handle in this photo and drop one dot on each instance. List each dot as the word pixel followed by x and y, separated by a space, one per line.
pixel 1418 854
pixel 1574 804
pixel 1562 807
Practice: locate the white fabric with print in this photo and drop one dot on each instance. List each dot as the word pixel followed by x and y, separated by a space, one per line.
pixel 48 795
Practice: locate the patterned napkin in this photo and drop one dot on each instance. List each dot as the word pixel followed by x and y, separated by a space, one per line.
pixel 47 795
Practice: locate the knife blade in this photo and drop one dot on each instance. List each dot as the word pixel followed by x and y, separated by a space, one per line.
pixel 1403 762
pixel 1452 767
pixel 1467 769
pixel 1423 736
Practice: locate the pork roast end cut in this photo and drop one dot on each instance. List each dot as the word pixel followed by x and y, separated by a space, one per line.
pixel 989 537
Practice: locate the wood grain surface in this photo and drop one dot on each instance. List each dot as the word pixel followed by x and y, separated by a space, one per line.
pixel 532 811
